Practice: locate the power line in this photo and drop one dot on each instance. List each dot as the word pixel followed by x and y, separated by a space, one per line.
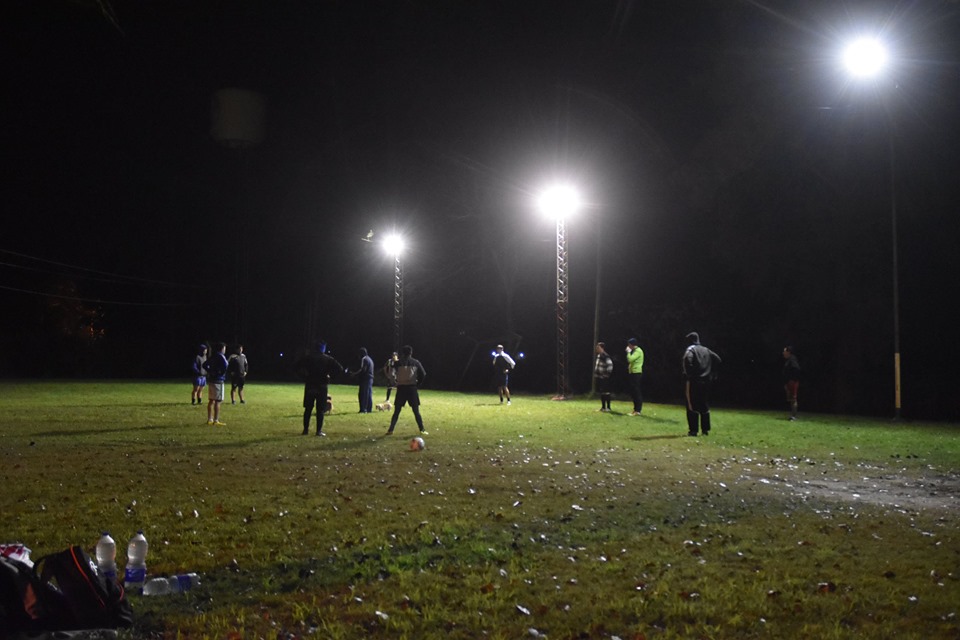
pixel 95 300
pixel 103 273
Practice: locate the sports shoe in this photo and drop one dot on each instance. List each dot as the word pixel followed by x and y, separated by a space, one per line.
pixel 389 432
pixel 423 433
pixel 508 402
pixel 210 422
pixel 220 424
pixel 634 413
pixel 321 434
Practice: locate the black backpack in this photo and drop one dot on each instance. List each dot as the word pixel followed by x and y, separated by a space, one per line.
pixel 92 601
pixel 28 605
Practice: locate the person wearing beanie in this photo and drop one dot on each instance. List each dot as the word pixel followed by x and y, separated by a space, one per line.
pixel 635 375
pixel 316 369
pixel 699 369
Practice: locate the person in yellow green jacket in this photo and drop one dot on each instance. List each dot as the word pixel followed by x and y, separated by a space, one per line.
pixel 635 375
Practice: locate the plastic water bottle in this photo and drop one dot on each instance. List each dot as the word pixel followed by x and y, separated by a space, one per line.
pixel 173 584
pixel 136 573
pixel 184 582
pixel 156 587
pixel 107 556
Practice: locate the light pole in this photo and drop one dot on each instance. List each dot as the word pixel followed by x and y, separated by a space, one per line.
pixel 393 245
pixel 559 202
pixel 865 59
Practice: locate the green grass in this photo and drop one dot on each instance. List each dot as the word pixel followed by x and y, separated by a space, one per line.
pixel 539 518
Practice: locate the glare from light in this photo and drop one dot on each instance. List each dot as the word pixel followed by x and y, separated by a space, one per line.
pixel 393 244
pixel 865 57
pixel 559 201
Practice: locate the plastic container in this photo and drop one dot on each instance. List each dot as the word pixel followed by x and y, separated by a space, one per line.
pixel 106 553
pixel 136 573
pixel 173 584
pixel 184 582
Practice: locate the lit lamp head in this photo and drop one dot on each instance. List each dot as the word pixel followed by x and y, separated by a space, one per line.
pixel 559 202
pixel 393 245
pixel 865 57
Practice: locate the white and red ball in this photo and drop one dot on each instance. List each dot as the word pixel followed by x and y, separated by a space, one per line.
pixel 417 444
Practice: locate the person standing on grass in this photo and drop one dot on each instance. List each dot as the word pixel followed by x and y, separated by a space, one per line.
pixel 199 375
pixel 791 379
pixel 635 375
pixel 410 374
pixel 502 364
pixel 316 369
pixel 699 370
pixel 365 382
pixel 238 368
pixel 602 368
pixel 216 368
pixel 391 374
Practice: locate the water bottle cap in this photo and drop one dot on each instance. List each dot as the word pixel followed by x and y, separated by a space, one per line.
pixel 105 533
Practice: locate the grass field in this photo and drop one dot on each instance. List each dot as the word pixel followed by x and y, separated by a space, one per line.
pixel 540 519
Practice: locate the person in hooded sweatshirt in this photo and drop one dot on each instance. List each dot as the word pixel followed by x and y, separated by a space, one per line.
pixel 699 370
pixel 365 382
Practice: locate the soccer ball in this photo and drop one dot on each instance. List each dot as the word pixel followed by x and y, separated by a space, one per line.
pixel 417 444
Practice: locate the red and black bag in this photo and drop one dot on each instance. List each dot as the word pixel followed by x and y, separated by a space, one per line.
pixel 93 601
pixel 27 605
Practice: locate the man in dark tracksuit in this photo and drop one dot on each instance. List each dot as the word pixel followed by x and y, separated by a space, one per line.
pixel 698 373
pixel 316 369
pixel 410 374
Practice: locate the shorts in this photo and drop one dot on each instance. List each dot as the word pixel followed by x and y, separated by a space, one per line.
pixel 215 391
pixel 236 382
pixel 200 381
pixel 313 397
pixel 792 387
pixel 407 394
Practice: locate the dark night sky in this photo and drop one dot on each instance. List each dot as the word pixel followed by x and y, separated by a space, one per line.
pixel 737 183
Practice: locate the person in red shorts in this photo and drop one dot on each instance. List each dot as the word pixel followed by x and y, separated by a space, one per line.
pixel 791 379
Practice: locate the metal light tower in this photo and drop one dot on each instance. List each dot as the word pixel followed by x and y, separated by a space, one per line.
pixel 865 59
pixel 560 202
pixel 393 245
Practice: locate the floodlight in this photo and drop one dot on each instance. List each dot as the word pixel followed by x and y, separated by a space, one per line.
pixel 865 57
pixel 559 201
pixel 393 244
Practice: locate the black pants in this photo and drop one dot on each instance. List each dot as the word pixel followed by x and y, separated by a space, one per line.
pixel 314 398
pixel 698 407
pixel 406 394
pixel 636 391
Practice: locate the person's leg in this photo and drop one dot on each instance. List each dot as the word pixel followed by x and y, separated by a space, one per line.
pixel 240 391
pixel 210 401
pixel 693 422
pixel 389 389
pixel 638 403
pixel 307 411
pixel 416 414
pixel 396 416
pixel 320 415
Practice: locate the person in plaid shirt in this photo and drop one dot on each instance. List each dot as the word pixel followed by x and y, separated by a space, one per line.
pixel 602 369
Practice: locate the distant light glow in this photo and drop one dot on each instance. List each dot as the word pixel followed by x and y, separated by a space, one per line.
pixel 393 244
pixel 559 201
pixel 865 57
pixel 521 354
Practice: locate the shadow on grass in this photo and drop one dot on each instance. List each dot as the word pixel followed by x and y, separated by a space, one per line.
pixel 661 436
pixel 104 431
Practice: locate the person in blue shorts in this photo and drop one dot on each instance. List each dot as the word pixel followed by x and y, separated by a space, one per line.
pixel 199 376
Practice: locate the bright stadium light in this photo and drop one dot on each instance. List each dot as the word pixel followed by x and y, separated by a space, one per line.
pixel 865 57
pixel 559 201
pixel 393 244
